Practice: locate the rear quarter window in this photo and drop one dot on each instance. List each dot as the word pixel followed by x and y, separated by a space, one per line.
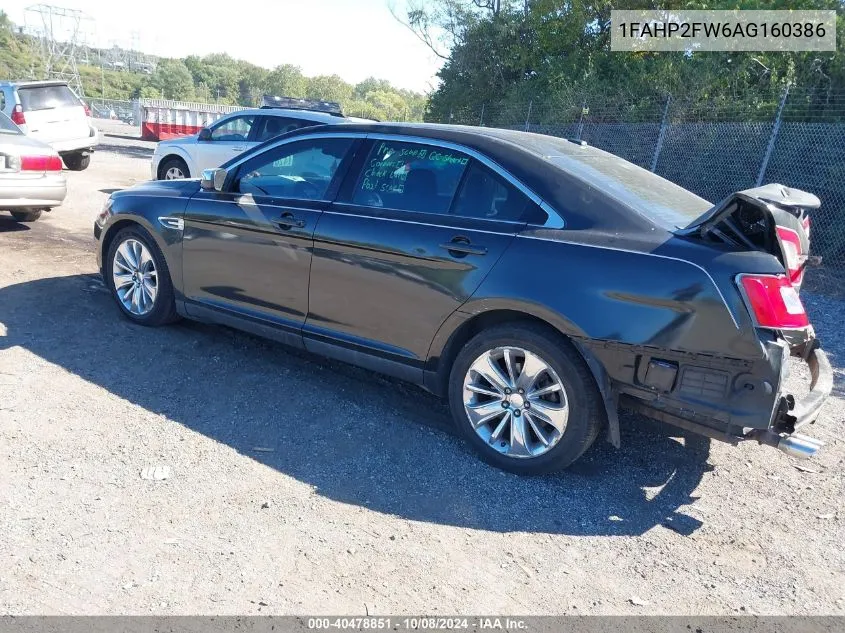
pixel 7 127
pixel 46 97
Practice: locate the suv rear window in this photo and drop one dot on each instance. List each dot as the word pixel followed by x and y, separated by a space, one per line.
pixel 46 97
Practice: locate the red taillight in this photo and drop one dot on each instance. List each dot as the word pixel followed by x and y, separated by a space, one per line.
pixel 774 302
pixel 17 115
pixel 41 163
pixel 793 256
pixel 806 224
pixel 87 109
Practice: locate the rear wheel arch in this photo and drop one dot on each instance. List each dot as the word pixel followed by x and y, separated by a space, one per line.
pixel 447 345
pixel 449 341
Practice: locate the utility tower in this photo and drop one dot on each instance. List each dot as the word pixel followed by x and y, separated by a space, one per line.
pixel 62 38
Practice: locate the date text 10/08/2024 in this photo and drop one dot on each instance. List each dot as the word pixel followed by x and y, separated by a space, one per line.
pixel 416 623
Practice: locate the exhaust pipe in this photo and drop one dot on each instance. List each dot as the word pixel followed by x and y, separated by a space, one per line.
pixel 800 446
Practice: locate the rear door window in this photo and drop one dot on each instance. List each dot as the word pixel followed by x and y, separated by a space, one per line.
pixel 268 127
pixel 410 177
pixel 46 97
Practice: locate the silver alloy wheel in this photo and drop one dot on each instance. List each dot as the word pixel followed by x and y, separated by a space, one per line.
pixel 174 173
pixel 135 277
pixel 515 402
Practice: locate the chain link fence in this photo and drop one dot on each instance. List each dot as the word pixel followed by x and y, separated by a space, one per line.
pixel 795 137
pixel 113 109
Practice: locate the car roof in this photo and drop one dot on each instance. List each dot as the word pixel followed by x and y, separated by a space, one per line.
pixel 304 115
pixel 29 84
pixel 590 187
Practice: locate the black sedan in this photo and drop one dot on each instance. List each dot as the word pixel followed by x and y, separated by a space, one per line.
pixel 537 283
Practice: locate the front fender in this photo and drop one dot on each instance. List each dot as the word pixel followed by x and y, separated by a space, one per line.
pixel 145 211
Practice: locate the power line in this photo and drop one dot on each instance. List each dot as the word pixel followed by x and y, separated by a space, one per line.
pixel 61 38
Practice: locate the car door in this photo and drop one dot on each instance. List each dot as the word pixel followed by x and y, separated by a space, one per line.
pixel 229 137
pixel 413 233
pixel 247 249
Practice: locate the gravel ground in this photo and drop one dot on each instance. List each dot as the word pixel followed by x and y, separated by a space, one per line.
pixel 298 485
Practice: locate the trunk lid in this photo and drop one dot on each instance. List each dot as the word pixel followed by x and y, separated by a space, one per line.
pixel 773 218
pixel 13 146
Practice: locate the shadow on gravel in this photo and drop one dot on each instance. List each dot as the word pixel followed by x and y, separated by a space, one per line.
pixel 133 151
pixel 8 224
pixel 356 437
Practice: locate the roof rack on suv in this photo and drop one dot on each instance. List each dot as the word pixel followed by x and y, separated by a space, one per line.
pixel 292 103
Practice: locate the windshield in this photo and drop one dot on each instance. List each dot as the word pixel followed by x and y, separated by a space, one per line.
pixel 46 97
pixel 7 127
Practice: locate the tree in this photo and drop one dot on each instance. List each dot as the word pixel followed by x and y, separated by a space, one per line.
pixel 173 80
pixel 217 78
pixel 286 80
pixel 505 54
pixel 251 82
pixel 369 85
pixel 328 88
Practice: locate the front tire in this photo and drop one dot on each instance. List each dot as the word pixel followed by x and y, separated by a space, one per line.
pixel 137 276
pixel 173 169
pixel 524 399
pixel 26 216
pixel 77 161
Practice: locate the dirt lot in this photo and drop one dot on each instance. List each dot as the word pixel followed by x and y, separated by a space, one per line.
pixel 297 485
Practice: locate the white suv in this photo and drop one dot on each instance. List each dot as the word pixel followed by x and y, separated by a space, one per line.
pixel 50 112
pixel 188 156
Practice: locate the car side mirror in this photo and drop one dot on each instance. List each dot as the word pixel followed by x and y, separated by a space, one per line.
pixel 213 179
pixel 204 135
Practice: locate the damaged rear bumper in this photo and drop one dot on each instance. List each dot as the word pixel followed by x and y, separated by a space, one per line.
pixel 791 414
pixel 773 420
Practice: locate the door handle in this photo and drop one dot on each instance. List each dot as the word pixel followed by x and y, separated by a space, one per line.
pixel 288 221
pixel 461 247
pixel 238 149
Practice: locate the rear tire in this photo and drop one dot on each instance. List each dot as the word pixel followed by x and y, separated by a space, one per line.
pixel 26 216
pixel 173 168
pixel 77 161
pixel 547 425
pixel 155 311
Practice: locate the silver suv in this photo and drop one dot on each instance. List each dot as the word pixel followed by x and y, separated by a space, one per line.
pixel 189 156
pixel 50 112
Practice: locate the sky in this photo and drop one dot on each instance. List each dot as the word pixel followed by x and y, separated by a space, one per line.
pixel 355 39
